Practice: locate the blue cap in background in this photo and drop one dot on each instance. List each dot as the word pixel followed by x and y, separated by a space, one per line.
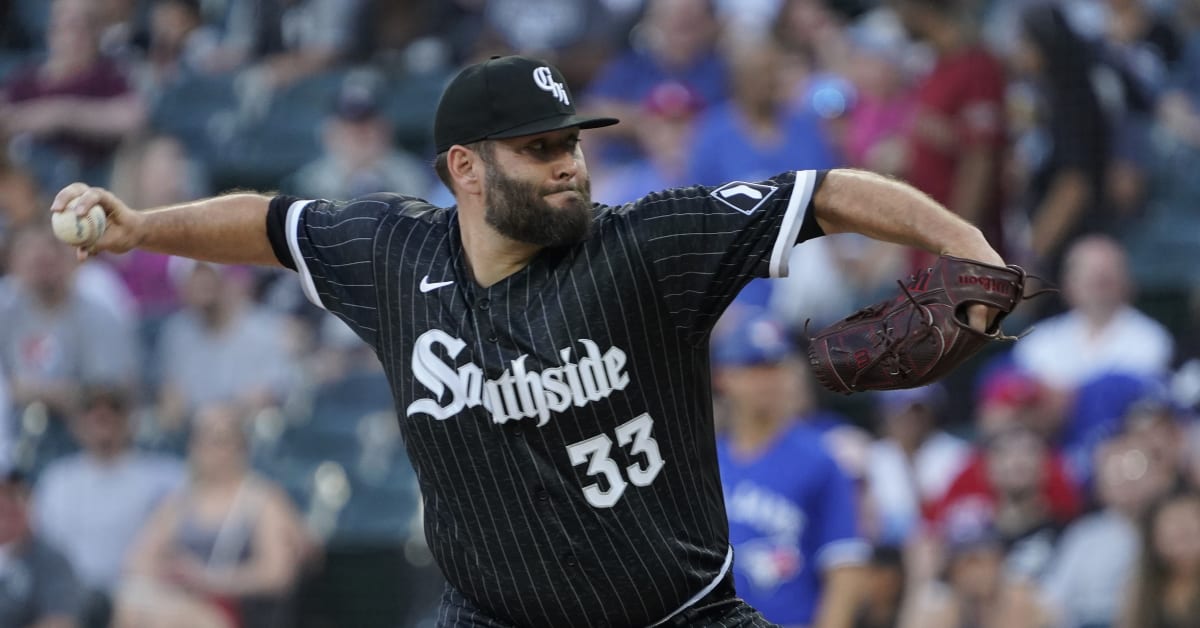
pixel 754 341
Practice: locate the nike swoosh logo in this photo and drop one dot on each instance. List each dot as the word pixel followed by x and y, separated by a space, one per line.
pixel 426 286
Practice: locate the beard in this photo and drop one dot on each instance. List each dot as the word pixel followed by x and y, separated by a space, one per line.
pixel 519 211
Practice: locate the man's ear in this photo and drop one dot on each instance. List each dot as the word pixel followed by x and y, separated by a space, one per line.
pixel 466 168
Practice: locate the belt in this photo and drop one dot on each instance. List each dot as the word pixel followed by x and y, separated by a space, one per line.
pixel 715 604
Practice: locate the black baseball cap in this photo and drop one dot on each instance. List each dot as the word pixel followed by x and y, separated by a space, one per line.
pixel 506 97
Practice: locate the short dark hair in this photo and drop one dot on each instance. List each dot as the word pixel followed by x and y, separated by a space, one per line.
pixel 113 396
pixel 192 6
pixel 942 7
pixel 441 163
pixel 442 167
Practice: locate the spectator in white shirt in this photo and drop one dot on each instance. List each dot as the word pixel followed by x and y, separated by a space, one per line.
pixel 1098 553
pixel 91 505
pixel 1101 332
pixel 913 463
pixel 221 347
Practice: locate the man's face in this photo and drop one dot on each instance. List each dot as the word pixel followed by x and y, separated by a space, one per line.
pixel 202 289
pixel 538 190
pixel 103 428
pixel 1096 277
pixel 761 389
pixel 42 263
pixel 1015 461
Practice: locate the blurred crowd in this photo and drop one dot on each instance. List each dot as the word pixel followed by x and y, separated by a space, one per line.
pixel 185 444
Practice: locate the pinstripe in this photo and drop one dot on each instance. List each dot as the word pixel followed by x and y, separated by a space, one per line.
pixel 631 412
pixel 602 427
pixel 672 387
pixel 558 296
pixel 563 440
pixel 544 564
pixel 704 273
pixel 514 481
pixel 451 448
pixel 335 245
pixel 689 234
pixel 456 570
pixel 364 261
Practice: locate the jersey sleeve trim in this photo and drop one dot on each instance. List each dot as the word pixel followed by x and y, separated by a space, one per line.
pixel 703 592
pixel 793 219
pixel 846 552
pixel 293 240
pixel 277 230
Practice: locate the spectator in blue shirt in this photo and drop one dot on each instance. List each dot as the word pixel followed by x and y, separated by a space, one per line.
pixel 677 42
pixel 792 517
pixel 670 111
pixel 757 133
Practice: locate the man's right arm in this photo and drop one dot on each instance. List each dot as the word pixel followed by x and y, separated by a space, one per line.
pixel 230 229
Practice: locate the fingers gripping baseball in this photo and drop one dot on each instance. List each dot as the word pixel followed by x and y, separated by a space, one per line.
pixel 116 231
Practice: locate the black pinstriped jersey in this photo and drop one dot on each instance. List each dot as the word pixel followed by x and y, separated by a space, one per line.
pixel 560 421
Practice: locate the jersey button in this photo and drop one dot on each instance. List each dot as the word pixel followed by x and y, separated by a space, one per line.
pixel 493 338
pixel 569 559
pixel 484 304
pixel 542 495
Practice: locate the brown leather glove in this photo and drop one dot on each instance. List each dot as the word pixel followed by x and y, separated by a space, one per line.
pixel 921 334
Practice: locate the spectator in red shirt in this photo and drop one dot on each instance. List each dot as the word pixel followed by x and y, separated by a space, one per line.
pixel 957 138
pixel 1011 402
pixel 73 108
pixel 975 482
pixel 1022 489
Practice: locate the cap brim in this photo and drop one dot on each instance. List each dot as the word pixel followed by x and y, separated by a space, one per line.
pixel 554 123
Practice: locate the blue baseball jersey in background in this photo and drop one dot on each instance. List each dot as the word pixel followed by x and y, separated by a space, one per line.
pixel 792 515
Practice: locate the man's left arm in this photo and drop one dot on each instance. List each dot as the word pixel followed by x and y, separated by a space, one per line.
pixel 979 128
pixel 842 551
pixel 973 183
pixel 885 209
pixel 840 596
pixel 857 201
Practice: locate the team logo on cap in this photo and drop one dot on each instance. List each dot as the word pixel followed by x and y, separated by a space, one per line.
pixel 544 78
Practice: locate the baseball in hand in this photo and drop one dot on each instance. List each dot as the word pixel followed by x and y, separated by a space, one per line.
pixel 82 231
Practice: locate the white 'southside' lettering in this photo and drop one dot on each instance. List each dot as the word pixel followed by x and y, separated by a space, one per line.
pixel 519 393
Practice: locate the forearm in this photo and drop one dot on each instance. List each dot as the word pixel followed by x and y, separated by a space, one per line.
pixel 840 598
pixel 229 229
pixel 108 119
pixel 250 580
pixel 972 184
pixel 286 68
pixel 1060 211
pixel 892 211
pixel 55 621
